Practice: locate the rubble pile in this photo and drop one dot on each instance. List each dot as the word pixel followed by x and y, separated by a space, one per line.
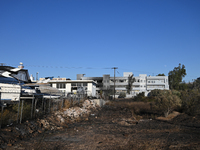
pixel 60 119
pixel 76 112
pixel 55 121
pixel 88 104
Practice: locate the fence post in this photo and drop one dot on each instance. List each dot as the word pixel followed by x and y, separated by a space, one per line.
pixel 1 115
pixel 32 109
pixel 62 102
pixel 73 101
pixel 35 107
pixel 18 111
pixel 21 112
pixel 57 105
pixel 53 105
pixel 49 105
pixel 44 105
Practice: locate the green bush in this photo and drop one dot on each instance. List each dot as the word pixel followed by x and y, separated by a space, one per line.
pixel 140 97
pixel 166 100
pixel 191 101
pixel 122 95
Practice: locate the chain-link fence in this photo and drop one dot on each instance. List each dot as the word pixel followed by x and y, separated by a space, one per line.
pixel 27 108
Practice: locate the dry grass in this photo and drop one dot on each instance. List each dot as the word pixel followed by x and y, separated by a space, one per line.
pixel 135 107
pixel 67 104
pixel 10 113
pixel 169 117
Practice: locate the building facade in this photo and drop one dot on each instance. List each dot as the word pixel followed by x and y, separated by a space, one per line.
pixel 143 83
pixel 74 86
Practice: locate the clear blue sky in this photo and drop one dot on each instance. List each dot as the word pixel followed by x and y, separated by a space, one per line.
pixel 68 37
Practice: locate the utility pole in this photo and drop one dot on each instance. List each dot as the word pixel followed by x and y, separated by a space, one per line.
pixel 37 76
pixel 114 80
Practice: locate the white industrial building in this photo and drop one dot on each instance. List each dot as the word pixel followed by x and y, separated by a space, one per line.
pixel 93 85
pixel 143 83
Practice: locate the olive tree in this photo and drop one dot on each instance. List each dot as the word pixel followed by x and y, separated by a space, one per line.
pixel 166 100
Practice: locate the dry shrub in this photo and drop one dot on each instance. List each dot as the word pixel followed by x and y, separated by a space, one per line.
pixel 67 104
pixel 5 117
pixel 166 100
pixel 27 110
pixel 139 108
pixel 191 101
pixel 136 108
pixel 109 103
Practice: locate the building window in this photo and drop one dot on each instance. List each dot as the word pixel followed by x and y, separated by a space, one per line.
pixel 84 84
pixel 136 86
pixel 73 84
pixel 60 85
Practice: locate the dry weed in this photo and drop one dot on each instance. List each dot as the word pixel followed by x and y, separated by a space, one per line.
pixel 67 104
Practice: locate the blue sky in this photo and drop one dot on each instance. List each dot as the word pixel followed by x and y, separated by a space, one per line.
pixel 68 37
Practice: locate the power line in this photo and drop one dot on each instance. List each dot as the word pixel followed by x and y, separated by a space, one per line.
pixel 89 68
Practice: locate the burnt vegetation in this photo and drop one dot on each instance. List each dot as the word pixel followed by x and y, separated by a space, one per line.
pixel 165 119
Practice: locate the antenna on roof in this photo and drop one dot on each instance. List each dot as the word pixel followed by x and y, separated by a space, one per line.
pixel 21 65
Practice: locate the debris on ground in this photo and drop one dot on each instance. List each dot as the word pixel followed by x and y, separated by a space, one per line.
pixel 51 122
pixel 110 127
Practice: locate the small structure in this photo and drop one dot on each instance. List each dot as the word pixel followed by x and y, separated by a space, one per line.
pixel 87 87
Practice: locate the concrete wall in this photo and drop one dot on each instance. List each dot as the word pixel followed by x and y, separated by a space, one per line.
pixel 91 90
pixel 68 87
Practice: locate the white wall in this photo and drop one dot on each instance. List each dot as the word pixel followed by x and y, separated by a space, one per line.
pixel 68 87
pixel 89 90
pixel 54 85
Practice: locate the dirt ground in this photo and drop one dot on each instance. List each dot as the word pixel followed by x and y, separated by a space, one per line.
pixel 116 126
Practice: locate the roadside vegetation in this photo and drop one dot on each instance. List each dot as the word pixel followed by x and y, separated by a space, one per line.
pixel 135 123
pixel 182 97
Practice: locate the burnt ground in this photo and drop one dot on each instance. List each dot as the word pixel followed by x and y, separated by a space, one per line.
pixel 117 127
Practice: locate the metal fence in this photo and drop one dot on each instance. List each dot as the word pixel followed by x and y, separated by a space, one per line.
pixel 31 107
